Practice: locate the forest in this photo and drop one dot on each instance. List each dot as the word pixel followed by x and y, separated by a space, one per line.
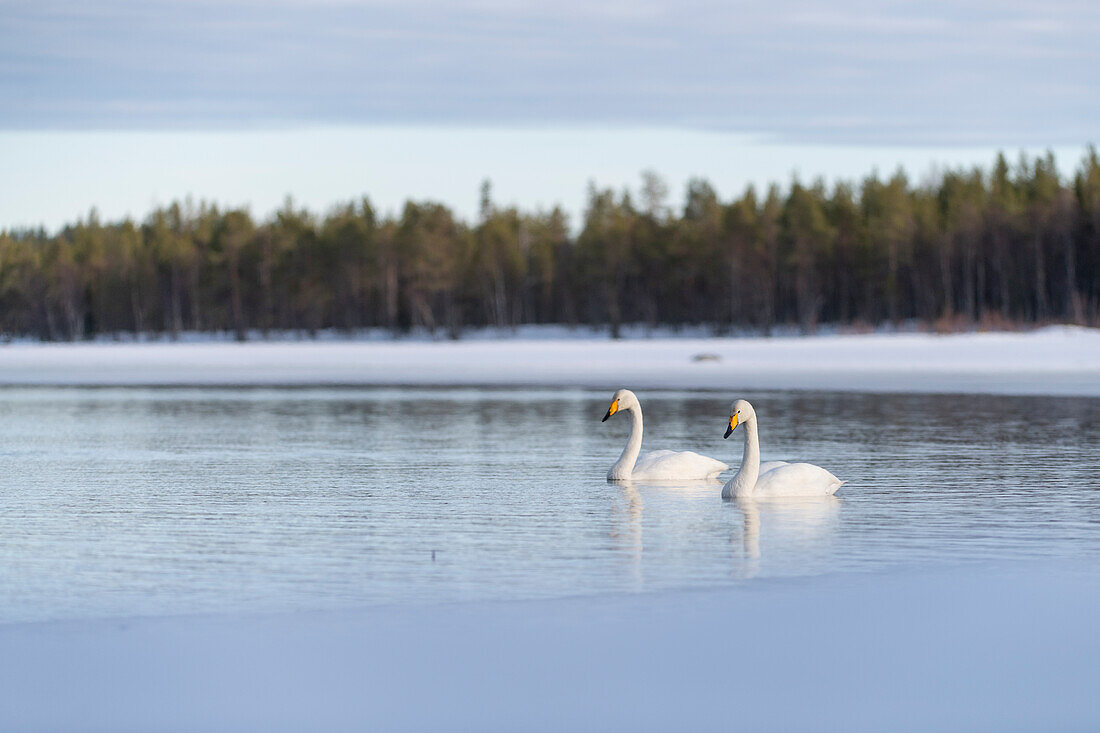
pixel 1011 245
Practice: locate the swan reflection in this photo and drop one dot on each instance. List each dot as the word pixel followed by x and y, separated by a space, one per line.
pixel 667 513
pixel 627 534
pixel 791 527
pixel 686 527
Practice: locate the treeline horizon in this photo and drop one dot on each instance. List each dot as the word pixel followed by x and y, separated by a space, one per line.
pixel 1011 245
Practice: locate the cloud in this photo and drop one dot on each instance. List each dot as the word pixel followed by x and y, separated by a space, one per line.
pixel 850 71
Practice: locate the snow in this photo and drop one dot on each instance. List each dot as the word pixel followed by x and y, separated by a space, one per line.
pixel 970 648
pixel 1052 361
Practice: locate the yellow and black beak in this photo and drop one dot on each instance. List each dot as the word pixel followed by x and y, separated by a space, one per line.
pixel 733 425
pixel 611 410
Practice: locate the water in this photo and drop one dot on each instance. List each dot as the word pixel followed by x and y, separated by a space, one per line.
pixel 121 502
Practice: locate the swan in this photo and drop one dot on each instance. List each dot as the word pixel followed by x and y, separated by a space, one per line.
pixel 774 478
pixel 658 465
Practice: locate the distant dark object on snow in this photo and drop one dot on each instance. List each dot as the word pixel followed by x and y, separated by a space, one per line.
pixel 706 357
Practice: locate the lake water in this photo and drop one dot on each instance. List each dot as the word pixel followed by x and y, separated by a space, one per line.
pixel 122 502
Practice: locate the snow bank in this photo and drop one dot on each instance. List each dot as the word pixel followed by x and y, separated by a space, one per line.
pixel 968 649
pixel 1052 361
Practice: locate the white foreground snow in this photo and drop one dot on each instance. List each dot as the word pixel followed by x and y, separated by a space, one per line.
pixel 1057 360
pixel 967 649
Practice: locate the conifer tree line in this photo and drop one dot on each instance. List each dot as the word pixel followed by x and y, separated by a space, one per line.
pixel 1013 244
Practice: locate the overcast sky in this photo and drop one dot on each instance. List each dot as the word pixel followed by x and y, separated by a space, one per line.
pixel 942 80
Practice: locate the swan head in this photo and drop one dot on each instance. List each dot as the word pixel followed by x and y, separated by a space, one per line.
pixel 740 411
pixel 624 399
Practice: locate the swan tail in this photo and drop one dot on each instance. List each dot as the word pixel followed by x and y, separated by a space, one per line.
pixel 716 472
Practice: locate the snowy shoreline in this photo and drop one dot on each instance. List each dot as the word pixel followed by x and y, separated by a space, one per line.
pixel 1051 361
pixel 974 647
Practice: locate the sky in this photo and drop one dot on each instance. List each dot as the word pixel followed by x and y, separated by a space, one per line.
pixel 121 104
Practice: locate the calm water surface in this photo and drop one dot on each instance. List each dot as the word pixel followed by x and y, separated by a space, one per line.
pixel 118 502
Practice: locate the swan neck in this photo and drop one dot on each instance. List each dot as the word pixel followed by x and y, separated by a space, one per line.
pixel 625 464
pixel 745 481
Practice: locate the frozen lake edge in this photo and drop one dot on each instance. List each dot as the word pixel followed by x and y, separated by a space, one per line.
pixel 1059 360
pixel 973 647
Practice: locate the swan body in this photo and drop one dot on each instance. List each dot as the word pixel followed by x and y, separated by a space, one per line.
pixel 774 478
pixel 769 465
pixel 658 465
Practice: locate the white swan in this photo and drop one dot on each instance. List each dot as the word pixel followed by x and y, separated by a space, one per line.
pixel 774 478
pixel 658 465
